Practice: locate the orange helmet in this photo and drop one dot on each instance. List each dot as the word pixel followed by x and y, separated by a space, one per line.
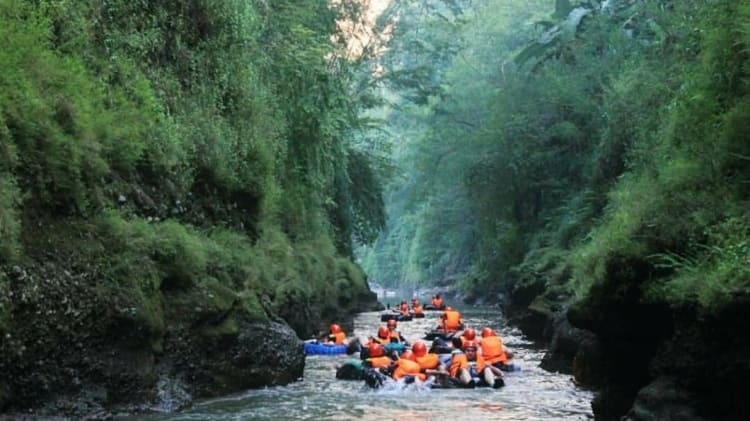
pixel 376 350
pixel 409 355
pixel 486 331
pixel 470 334
pixel 334 328
pixel 391 323
pixel 470 344
pixel 382 332
pixel 419 349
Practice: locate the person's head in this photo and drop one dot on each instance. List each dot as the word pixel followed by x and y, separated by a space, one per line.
pixel 448 308
pixel 334 328
pixel 376 350
pixel 437 295
pixel 470 334
pixel 382 332
pixel 391 324
pixel 486 331
pixel 470 348
pixel 419 349
pixel 408 355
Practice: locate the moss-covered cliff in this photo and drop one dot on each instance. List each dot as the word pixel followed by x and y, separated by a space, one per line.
pixel 176 188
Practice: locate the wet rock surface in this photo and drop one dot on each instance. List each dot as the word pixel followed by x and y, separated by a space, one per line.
pixel 648 361
pixel 68 350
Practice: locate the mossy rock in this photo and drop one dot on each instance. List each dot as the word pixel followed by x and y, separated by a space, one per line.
pixel 207 302
pixel 137 317
pixel 228 328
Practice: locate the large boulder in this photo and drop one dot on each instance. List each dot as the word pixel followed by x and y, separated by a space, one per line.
pixel 262 354
pixel 664 399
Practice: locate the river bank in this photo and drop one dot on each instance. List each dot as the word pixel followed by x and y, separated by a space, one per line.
pixel 646 362
pixel 84 335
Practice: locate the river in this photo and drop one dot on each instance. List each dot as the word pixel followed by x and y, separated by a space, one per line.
pixel 529 394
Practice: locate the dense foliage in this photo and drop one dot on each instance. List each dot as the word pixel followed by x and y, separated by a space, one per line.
pixel 604 144
pixel 167 166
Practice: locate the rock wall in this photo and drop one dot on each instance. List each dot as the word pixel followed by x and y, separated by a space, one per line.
pixel 648 361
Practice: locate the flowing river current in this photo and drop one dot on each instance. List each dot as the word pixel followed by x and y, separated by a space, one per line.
pixel 529 394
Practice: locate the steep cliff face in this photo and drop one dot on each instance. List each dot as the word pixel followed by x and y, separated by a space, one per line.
pixel 647 361
pixel 78 342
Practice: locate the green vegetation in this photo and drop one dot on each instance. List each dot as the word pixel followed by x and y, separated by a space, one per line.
pixel 597 146
pixel 173 168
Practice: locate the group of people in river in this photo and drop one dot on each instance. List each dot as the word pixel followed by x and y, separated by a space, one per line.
pixel 457 357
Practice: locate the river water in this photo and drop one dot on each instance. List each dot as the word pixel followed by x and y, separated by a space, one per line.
pixel 529 394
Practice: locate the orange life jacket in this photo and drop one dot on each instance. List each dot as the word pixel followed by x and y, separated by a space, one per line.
pixel 479 363
pixel 377 362
pixel 451 321
pixel 437 302
pixel 428 361
pixel 492 350
pixel 337 338
pixel 458 361
pixel 408 368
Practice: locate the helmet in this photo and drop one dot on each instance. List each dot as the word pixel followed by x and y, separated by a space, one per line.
pixel 487 332
pixel 470 344
pixel 470 334
pixel 391 323
pixel 409 355
pixel 334 328
pixel 382 332
pixel 419 348
pixel 376 350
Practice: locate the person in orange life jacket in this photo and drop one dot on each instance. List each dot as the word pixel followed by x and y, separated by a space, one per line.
pixel 407 366
pixel 403 308
pixel 443 375
pixel 376 359
pixel 416 307
pixel 437 301
pixel 493 350
pixel 469 365
pixel 336 335
pixel 450 320
pixel 468 335
pixel 425 360
pixel 384 336
pixel 394 334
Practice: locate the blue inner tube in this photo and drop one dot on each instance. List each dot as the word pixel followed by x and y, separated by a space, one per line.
pixel 312 348
pixel 398 347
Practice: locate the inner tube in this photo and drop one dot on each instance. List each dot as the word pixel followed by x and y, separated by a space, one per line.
pixel 433 308
pixel 350 370
pixel 508 367
pixel 395 316
pixel 418 315
pixel 313 348
pixel 435 334
pixel 375 379
pixel 396 347
pixel 451 383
